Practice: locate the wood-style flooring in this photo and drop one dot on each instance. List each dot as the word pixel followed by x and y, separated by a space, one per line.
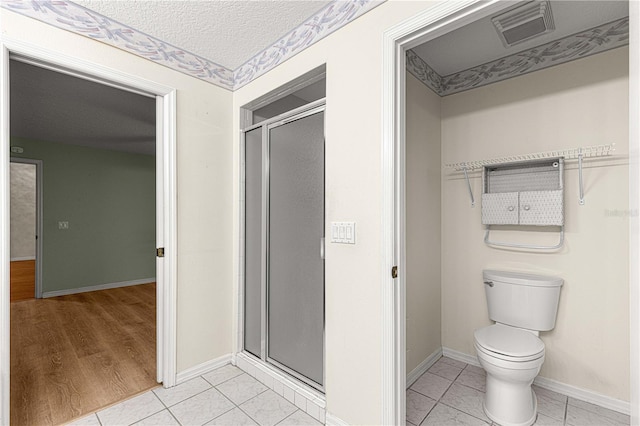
pixel 23 279
pixel 72 355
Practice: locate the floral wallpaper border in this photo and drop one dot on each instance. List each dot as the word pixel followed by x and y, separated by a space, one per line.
pixel 77 19
pixel 595 40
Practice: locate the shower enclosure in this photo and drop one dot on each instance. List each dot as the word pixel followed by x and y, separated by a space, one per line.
pixel 284 242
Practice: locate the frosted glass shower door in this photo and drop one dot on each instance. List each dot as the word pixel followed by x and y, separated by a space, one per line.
pixel 295 284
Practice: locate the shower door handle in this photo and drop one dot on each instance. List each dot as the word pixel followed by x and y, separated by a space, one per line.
pixel 322 248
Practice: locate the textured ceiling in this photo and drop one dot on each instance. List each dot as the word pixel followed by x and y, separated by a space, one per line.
pixel 478 42
pixel 228 33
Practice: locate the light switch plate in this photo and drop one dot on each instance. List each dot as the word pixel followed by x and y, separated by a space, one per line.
pixel 343 232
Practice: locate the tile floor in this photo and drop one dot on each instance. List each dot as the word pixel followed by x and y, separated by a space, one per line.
pixel 451 392
pixel 226 396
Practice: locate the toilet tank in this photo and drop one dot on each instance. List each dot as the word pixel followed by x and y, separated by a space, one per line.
pixel 522 300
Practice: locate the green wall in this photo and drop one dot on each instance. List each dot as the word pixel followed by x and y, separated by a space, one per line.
pixel 108 198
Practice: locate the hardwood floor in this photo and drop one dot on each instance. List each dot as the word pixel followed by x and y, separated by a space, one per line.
pixel 23 279
pixel 72 355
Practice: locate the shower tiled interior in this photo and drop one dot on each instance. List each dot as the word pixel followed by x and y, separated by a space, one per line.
pixel 449 393
pixel 225 396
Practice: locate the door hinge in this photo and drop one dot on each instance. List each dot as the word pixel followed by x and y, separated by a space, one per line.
pixel 160 252
pixel 394 272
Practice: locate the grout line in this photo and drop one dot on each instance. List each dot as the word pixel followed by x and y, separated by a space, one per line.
pixel 297 409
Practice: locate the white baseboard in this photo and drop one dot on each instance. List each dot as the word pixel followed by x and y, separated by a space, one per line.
pixel 332 420
pixel 552 385
pixel 422 367
pixel 19 259
pixel 200 369
pixel 107 286
pixel 460 356
pixel 584 395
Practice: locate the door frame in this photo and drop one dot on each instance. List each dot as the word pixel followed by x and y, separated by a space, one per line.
pixel 39 236
pixel 431 23
pixel 166 213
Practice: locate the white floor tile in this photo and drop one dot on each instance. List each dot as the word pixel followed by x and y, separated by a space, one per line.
pixel 549 393
pixel 179 393
pixel 443 369
pixel 465 399
pixel 299 419
pixel 550 407
pixel 453 362
pixel 475 369
pixel 131 410
pixel 268 408
pixel 473 379
pixel 418 406
pixel 601 411
pixel 577 416
pixel 222 374
pixel 241 388
pixel 163 418
pixel 441 415
pixel 431 385
pixel 201 408
pixel 235 417
pixel 90 420
pixel 543 420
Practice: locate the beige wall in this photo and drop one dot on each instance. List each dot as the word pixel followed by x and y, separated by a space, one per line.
pixel 581 103
pixel 204 185
pixel 353 56
pixel 423 222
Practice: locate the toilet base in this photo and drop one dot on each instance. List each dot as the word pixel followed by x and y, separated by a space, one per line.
pixel 502 422
pixel 510 404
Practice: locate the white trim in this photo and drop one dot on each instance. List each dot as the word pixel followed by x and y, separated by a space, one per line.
pixel 21 259
pixel 167 227
pixel 422 367
pixel 634 206
pixel 204 368
pixel 460 356
pixel 5 364
pixel 98 287
pixel 584 395
pixel 332 420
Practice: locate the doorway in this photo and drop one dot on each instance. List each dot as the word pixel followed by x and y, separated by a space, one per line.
pixel 164 102
pixel 431 24
pixel 284 243
pixel 26 228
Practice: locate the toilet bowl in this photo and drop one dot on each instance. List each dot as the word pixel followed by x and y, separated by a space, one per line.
pixel 510 350
pixel 512 359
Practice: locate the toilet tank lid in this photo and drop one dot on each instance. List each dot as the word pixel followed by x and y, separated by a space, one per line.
pixel 522 278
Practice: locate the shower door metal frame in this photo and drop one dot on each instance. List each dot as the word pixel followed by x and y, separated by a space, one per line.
pixel 266 125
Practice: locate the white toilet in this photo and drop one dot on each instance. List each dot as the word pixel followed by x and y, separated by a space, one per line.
pixel 510 351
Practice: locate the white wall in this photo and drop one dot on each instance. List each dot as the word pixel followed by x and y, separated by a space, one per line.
pixel 23 211
pixel 581 103
pixel 204 185
pixel 423 169
pixel 353 56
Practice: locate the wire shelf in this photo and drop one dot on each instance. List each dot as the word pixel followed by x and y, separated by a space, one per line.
pixel 568 154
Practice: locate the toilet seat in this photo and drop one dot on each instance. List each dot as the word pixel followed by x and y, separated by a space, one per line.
pixel 508 343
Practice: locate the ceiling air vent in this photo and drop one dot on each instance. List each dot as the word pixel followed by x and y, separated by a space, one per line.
pixel 525 22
